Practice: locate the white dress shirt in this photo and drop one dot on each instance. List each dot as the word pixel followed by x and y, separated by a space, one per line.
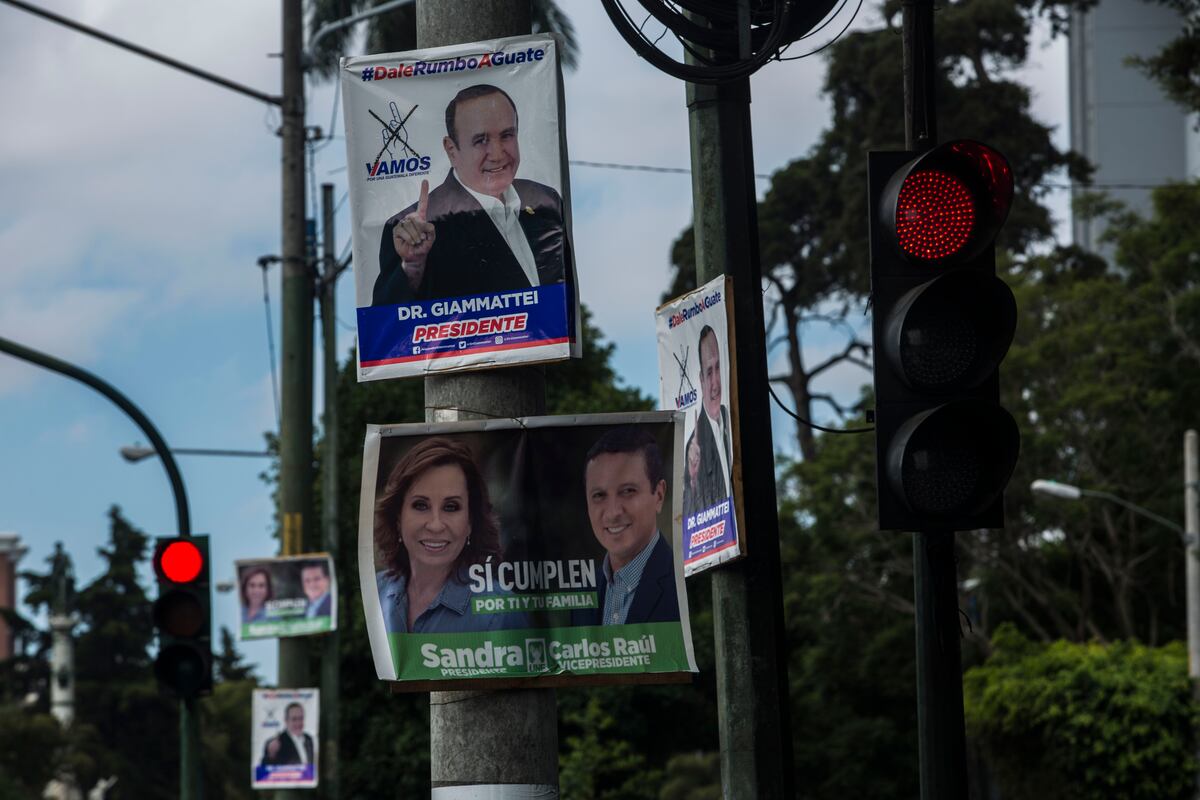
pixel 506 217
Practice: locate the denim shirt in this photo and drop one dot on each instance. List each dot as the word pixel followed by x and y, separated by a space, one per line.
pixel 450 611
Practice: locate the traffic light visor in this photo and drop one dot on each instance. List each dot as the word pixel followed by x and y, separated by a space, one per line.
pixel 946 205
pixel 180 561
pixel 955 459
pixel 950 333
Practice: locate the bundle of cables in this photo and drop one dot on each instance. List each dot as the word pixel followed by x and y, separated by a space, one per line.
pixel 726 40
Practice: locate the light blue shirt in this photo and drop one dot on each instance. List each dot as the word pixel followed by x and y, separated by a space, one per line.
pixel 450 611
pixel 623 584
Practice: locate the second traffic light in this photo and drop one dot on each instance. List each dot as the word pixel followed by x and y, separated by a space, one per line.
pixel 942 324
pixel 183 616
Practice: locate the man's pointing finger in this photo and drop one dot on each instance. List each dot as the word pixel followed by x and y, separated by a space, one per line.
pixel 423 200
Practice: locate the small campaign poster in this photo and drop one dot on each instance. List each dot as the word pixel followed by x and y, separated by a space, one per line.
pixel 696 374
pixel 287 596
pixel 537 551
pixel 284 738
pixel 460 207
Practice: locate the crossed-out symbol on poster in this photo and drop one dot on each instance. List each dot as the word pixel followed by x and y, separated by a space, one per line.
pixel 683 370
pixel 394 131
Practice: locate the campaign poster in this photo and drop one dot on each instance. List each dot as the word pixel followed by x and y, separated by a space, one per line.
pixel 284 738
pixel 460 207
pixel 696 374
pixel 287 596
pixel 539 551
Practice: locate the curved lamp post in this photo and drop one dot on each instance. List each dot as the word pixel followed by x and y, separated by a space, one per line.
pixel 134 453
pixel 183 518
pixel 1066 491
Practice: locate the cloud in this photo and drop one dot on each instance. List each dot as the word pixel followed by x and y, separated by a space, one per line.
pixel 71 324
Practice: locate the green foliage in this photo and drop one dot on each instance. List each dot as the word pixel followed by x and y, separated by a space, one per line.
pixel 848 601
pixel 693 776
pixel 1177 65
pixel 225 725
pixel 598 762
pixel 31 749
pixel 1083 721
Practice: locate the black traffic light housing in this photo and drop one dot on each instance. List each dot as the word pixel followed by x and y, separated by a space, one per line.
pixel 942 324
pixel 183 616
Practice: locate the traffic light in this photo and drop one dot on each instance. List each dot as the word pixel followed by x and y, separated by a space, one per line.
pixel 183 616
pixel 942 324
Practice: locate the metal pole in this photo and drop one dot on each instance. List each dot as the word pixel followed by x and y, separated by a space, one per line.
pixel 1191 518
pixel 941 731
pixel 191 786
pixel 751 658
pixel 940 727
pixel 501 744
pixel 330 678
pixel 296 392
pixel 920 108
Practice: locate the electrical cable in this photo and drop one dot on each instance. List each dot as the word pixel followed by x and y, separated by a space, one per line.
pixel 765 49
pixel 271 347
pixel 809 423
pixel 840 33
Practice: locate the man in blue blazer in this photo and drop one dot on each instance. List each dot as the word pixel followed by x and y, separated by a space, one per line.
pixel 625 489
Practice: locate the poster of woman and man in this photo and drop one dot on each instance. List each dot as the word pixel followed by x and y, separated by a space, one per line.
pixel 536 548
pixel 287 596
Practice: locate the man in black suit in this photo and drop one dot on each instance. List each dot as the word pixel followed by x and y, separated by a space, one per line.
pixel 625 493
pixel 712 432
pixel 483 230
pixel 292 745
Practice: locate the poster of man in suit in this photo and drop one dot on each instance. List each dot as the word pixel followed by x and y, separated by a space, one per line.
pixel 460 209
pixel 696 376
pixel 284 751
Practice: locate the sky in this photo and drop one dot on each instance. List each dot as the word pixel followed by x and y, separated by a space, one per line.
pixel 137 200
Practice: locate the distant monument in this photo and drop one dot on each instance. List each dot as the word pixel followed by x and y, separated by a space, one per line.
pixel 62 622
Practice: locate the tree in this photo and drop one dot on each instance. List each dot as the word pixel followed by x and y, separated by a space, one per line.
pixel 1177 65
pixel 114 685
pixel 396 30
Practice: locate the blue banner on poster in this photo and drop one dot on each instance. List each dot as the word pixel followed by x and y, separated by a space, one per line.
pixel 289 774
pixel 709 531
pixel 433 329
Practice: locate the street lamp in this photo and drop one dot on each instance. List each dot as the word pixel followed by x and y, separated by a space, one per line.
pixel 134 453
pixel 1066 491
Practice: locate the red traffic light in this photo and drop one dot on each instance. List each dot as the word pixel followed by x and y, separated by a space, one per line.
pixel 180 561
pixel 935 214
pixel 945 206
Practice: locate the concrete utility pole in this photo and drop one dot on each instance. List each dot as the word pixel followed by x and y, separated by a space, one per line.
pixel 501 744
pixel 330 672
pixel 752 687
pixel 296 401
